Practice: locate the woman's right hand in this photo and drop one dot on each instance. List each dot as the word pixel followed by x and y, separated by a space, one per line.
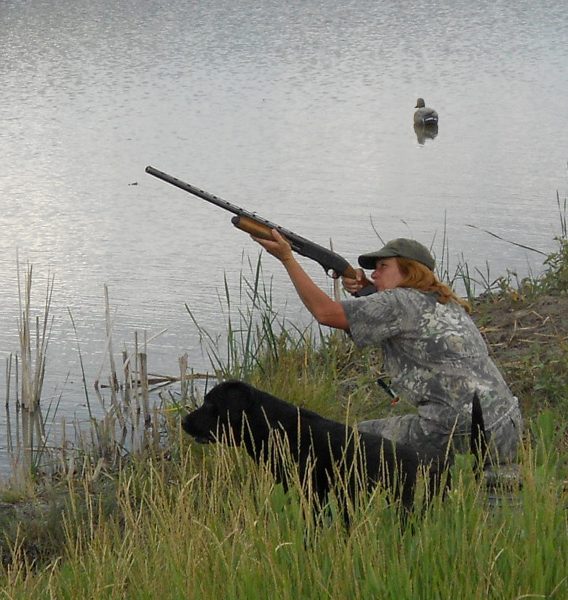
pixel 356 285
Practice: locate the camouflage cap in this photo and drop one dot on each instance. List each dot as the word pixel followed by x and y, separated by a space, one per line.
pixel 402 247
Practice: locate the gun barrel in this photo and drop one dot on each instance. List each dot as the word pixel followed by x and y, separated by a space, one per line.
pixel 187 187
pixel 237 210
pixel 256 225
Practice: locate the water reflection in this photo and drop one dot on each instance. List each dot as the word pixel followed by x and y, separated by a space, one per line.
pixel 26 441
pixel 425 132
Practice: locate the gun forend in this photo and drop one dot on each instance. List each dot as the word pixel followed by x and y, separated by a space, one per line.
pixel 253 227
pixel 329 260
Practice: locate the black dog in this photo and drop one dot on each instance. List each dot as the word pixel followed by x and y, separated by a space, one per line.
pixel 328 454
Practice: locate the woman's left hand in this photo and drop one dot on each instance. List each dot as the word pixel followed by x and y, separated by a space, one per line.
pixel 279 246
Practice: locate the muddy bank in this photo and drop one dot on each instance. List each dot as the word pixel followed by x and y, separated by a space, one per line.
pixel 528 338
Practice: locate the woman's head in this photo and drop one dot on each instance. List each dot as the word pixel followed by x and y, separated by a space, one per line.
pixel 386 268
pixel 407 263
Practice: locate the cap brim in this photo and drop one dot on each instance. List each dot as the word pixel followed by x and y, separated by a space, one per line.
pixel 369 261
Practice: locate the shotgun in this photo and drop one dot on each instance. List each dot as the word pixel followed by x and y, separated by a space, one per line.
pixel 250 222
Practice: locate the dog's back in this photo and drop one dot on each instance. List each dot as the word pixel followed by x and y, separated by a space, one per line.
pixel 328 454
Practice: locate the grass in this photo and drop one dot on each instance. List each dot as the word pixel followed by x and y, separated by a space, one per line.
pixel 188 521
pixel 213 525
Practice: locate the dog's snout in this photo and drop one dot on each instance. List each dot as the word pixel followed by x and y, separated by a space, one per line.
pixel 186 423
pixel 200 425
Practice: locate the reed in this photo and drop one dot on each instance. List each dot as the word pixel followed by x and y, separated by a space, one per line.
pixel 28 445
pixel 130 422
pixel 252 329
pixel 33 349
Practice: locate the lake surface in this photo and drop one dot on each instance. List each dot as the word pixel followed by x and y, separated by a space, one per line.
pixel 300 111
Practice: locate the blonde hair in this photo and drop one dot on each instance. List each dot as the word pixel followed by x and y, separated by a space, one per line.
pixel 418 276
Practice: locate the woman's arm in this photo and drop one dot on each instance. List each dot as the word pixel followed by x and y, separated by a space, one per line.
pixel 325 310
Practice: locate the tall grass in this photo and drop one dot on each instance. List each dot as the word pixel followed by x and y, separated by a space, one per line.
pixel 254 332
pixel 214 525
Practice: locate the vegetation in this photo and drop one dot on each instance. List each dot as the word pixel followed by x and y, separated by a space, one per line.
pixel 179 520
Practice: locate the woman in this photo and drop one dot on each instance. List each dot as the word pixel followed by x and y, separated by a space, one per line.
pixel 432 350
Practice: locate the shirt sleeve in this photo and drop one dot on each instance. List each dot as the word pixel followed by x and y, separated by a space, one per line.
pixel 374 319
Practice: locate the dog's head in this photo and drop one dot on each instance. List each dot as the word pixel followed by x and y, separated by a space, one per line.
pixel 224 413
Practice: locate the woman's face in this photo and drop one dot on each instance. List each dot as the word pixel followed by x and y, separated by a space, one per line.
pixel 386 275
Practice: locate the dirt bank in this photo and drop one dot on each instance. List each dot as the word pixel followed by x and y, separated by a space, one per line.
pixel 528 338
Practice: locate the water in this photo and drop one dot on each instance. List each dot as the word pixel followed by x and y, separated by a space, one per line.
pixel 301 111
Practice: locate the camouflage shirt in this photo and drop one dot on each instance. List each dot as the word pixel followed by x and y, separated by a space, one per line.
pixel 435 356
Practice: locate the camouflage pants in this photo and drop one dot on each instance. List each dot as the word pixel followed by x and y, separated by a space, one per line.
pixel 427 436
